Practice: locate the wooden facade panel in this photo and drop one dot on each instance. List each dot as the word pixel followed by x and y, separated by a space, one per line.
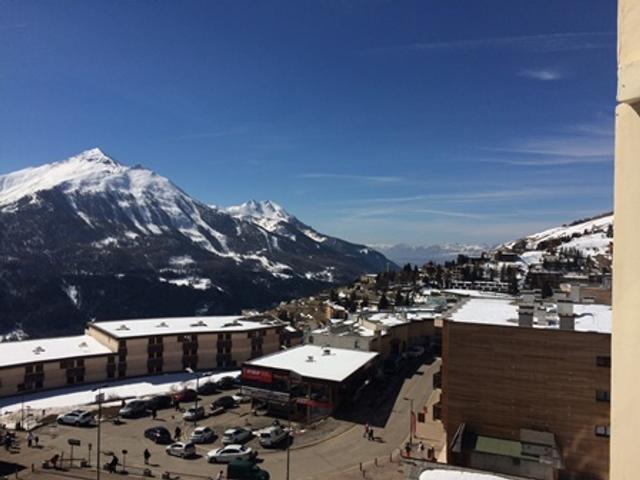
pixel 499 379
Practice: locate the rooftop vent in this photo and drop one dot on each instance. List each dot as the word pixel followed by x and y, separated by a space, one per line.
pixel 326 351
pixel 122 327
pixel 162 325
pixel 83 345
pixel 38 350
pixel 199 323
pixel 235 323
pixel 310 358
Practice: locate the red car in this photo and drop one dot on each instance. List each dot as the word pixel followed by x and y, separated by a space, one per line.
pixel 186 395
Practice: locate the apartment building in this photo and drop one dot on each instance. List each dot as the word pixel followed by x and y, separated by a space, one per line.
pixel 149 346
pixel 52 363
pixel 129 348
pixel 526 387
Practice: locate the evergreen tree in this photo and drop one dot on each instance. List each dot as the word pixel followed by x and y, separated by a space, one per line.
pixel 399 300
pixel 383 304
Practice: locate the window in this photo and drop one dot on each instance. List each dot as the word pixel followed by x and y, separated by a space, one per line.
pixel 603 361
pixel 122 344
pixel 603 430
pixel 111 359
pixel 603 396
pixel 80 362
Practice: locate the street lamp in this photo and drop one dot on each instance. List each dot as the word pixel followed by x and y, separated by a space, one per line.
pixel 195 413
pixel 410 400
pixel 99 397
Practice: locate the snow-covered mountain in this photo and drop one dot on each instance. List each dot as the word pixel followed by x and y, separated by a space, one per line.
pixel 592 237
pixel 401 253
pixel 89 237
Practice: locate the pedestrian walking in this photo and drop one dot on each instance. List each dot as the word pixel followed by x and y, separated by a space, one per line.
pixel 421 449
pixel 371 434
pixel 407 449
pixel 147 456
pixel 7 442
pixel 29 439
pixel 366 430
pixel 54 461
pixel 176 405
pixel 177 434
pixel 37 440
pixel 220 475
pixel 154 413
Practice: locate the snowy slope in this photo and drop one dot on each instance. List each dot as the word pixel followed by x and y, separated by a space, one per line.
pixel 591 237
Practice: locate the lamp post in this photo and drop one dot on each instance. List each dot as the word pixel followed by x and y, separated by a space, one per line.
pixel 99 397
pixel 195 415
pixel 410 400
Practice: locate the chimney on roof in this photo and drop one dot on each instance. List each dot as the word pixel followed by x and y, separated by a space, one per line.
pixel 565 313
pixel 525 315
pixel 528 297
pixel 575 293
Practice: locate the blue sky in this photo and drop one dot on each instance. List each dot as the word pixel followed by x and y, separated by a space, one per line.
pixel 378 121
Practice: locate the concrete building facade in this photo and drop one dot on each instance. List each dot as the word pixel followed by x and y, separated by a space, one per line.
pixel 625 462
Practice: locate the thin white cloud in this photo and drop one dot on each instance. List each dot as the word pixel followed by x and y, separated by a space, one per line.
pixel 544 75
pixel 361 178
pixel 543 43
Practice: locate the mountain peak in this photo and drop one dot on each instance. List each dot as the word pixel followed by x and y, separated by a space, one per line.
pixel 266 213
pixel 93 155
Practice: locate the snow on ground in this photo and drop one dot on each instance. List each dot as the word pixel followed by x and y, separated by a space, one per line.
pixel 477 293
pixel 199 283
pixel 593 244
pixel 64 399
pixel 441 474
pixel 533 257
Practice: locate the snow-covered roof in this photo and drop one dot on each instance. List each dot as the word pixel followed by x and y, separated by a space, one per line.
pixel 179 325
pixel 387 319
pixel 588 317
pixel 311 361
pixel 49 349
pixel 442 474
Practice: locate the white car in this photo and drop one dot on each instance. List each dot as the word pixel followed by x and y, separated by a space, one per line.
pixel 181 449
pixel 202 435
pixel 241 398
pixel 77 417
pixel 193 413
pixel 236 435
pixel 272 436
pixel 230 453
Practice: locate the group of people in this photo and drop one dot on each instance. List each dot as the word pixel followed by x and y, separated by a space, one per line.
pixel 368 432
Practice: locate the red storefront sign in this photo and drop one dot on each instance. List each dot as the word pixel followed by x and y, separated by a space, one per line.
pixel 257 375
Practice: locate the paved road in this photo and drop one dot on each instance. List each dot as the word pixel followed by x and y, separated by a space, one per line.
pixel 338 453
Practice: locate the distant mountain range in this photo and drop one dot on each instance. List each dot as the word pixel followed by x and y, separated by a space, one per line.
pixel 88 237
pixel 401 253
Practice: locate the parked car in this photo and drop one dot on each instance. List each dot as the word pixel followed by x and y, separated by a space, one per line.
pixel 241 398
pixel 236 435
pixel 181 449
pixel 192 413
pixel 186 395
pixel 202 435
pixel 245 470
pixel 221 404
pixel 226 383
pixel 272 436
pixel 158 435
pixel 78 418
pixel 159 402
pixel 207 388
pixel 135 408
pixel 229 453
pixel 415 351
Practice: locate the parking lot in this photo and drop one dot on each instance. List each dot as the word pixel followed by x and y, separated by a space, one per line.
pixel 333 445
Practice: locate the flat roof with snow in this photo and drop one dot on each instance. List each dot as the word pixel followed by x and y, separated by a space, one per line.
pixel 449 474
pixel 588 317
pixel 335 366
pixel 49 349
pixel 144 327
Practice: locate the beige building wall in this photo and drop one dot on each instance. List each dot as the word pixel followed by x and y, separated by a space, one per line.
pixel 10 378
pixel 625 407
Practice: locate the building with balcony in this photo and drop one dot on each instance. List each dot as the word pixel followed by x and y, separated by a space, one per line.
pixel 52 363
